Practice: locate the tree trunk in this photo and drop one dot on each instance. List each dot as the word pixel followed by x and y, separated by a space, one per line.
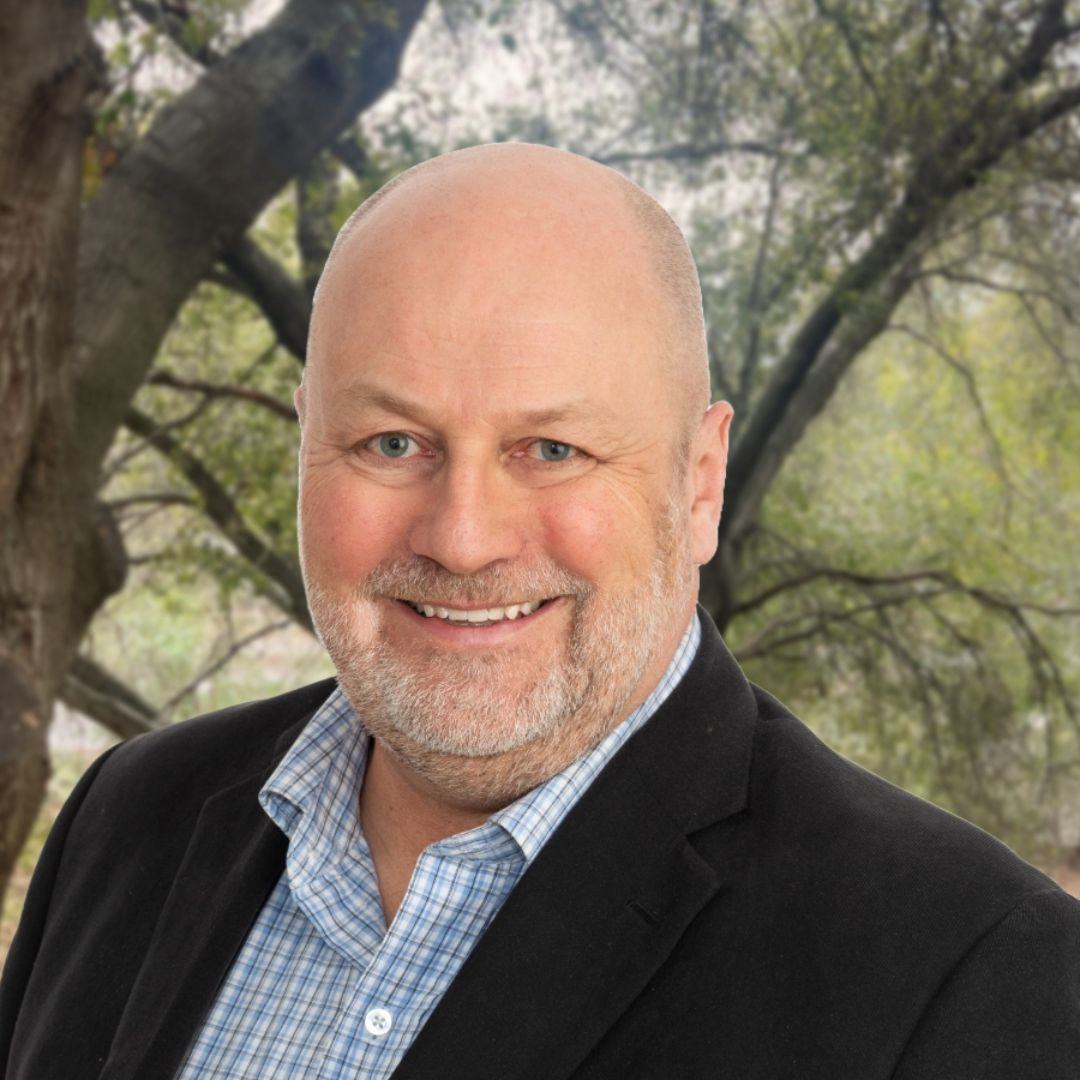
pixel 78 334
pixel 49 64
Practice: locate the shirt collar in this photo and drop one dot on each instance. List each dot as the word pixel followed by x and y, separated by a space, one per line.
pixel 534 817
pixel 313 793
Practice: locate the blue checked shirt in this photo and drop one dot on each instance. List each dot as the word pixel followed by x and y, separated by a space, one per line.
pixel 321 988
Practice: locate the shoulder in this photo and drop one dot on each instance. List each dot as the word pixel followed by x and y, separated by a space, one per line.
pixel 903 891
pixel 875 919
pixel 128 822
pixel 1011 1006
pixel 848 820
pixel 117 849
pixel 159 781
pixel 221 747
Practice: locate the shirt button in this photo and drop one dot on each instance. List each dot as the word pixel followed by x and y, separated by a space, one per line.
pixel 378 1021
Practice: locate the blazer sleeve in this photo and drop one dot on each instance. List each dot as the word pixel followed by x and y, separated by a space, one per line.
pixel 1011 1007
pixel 24 947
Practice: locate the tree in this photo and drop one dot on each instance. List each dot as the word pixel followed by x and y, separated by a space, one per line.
pixel 79 336
pixel 847 169
pixel 40 141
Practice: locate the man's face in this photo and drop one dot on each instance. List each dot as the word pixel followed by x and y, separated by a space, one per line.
pixel 493 520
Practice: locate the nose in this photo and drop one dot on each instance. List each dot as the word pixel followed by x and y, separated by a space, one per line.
pixel 472 519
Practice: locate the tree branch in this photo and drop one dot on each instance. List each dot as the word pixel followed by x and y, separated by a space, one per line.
pixel 192 186
pixel 763 644
pixel 154 498
pixel 720 378
pixel 754 307
pixel 316 198
pixel 972 387
pixel 91 690
pixel 1065 361
pixel 352 153
pixel 161 377
pixel 969 277
pixel 220 508
pixel 942 578
pixel 174 23
pixel 855 53
pixel 234 649
pixel 823 350
pixel 276 293
pixel 691 151
pixel 858 306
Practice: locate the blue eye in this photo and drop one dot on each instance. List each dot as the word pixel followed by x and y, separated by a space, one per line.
pixel 395 444
pixel 554 451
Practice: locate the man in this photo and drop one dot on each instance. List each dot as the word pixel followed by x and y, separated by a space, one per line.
pixel 544 828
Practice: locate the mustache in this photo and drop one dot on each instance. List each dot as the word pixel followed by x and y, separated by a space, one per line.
pixel 496 586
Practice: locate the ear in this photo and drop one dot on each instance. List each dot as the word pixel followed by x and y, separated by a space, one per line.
pixel 706 471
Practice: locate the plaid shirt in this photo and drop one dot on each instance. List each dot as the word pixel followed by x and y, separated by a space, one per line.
pixel 320 988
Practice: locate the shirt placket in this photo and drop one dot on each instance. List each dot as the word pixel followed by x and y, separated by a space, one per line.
pixel 446 908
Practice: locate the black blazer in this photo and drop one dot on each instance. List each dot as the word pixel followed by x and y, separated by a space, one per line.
pixel 729 899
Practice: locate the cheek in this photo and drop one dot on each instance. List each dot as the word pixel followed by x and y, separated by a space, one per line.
pixel 347 528
pixel 601 539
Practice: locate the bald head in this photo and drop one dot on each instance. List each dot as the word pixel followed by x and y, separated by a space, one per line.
pixel 543 206
pixel 505 415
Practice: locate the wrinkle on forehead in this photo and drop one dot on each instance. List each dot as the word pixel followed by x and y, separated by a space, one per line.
pixel 362 393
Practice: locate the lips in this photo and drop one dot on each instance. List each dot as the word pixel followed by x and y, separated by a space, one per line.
pixel 476 616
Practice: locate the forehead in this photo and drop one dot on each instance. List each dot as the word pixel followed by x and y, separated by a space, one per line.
pixel 522 373
pixel 524 263
pixel 485 307
pixel 373 395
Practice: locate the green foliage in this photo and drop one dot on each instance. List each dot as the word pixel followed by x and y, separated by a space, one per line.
pixel 192 595
pixel 932 686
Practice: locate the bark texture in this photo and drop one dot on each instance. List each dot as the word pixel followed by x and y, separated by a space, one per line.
pixel 49 65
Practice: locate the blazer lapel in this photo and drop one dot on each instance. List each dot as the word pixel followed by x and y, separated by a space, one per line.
pixel 607 899
pixel 234 859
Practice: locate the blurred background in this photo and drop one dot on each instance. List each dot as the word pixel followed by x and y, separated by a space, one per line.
pixel 882 197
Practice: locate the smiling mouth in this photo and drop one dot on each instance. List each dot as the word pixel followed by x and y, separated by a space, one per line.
pixel 477 616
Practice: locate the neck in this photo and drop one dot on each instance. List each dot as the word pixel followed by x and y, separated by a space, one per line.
pixel 413 796
pixel 401 815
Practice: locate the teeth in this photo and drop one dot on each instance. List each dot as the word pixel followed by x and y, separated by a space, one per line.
pixel 479 615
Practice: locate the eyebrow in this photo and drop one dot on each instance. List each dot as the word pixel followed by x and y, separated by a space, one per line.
pixel 373 397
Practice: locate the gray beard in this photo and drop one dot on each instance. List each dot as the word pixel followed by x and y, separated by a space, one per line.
pixel 431 710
